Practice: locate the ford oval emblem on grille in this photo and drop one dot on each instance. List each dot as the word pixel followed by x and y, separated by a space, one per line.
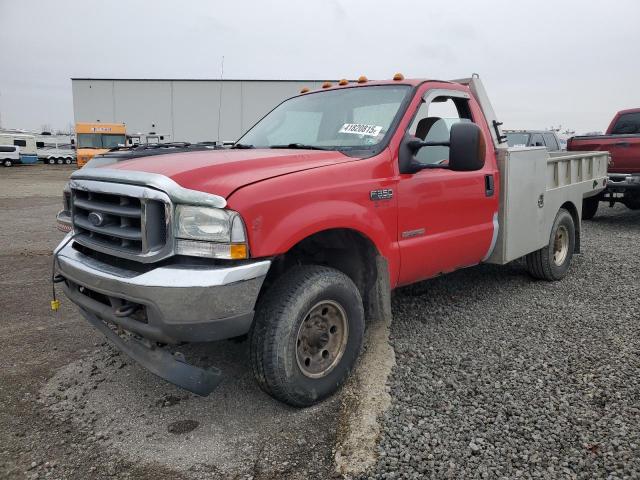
pixel 96 219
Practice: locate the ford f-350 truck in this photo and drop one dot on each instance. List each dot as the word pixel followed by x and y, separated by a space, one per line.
pixel 298 233
pixel 622 141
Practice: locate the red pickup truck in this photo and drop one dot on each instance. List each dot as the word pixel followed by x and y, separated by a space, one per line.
pixel 297 234
pixel 622 140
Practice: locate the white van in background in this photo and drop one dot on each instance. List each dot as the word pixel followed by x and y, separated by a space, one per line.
pixel 27 143
pixel 9 154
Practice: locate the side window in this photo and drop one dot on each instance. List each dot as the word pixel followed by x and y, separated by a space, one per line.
pixel 536 140
pixel 39 144
pixel 433 124
pixel 550 140
pixel 20 143
pixel 7 149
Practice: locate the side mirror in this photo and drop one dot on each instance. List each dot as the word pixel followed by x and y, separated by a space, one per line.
pixel 467 147
pixel 406 154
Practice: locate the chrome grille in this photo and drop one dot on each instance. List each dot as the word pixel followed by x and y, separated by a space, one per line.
pixel 123 220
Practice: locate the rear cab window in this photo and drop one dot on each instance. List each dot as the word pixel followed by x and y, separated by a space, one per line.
pixel 628 123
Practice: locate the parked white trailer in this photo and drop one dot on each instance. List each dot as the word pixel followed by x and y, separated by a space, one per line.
pixel 56 149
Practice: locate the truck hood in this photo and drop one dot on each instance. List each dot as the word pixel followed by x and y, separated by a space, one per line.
pixel 221 172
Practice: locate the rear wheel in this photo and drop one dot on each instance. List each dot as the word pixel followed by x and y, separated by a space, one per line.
pixel 59 161
pixel 307 334
pixel 51 161
pixel 590 207
pixel 552 262
pixel 67 161
pixel 7 162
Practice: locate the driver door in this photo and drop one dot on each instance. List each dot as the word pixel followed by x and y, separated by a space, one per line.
pixel 445 218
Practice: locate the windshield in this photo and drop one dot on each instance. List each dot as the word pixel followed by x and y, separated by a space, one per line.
pixel 518 139
pixel 99 140
pixel 348 118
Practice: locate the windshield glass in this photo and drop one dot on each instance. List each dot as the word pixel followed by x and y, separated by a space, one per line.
pixel 99 140
pixel 517 139
pixel 348 118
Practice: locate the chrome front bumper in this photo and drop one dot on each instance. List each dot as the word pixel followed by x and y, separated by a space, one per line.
pixel 173 303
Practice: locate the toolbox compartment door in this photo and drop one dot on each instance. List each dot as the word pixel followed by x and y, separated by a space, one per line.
pixel 523 181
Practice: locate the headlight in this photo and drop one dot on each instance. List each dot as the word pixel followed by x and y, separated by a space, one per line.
pixel 210 232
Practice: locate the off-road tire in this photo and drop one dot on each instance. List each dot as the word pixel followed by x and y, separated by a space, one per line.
pixel 279 316
pixel 590 207
pixel 540 264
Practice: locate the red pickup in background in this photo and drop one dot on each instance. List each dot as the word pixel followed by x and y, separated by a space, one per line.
pixel 622 140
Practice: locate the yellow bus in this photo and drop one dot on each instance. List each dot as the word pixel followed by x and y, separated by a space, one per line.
pixel 96 138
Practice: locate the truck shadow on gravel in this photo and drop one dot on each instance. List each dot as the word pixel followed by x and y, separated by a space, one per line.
pixel 236 432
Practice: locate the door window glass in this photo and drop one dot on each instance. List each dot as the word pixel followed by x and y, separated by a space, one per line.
pixel 433 124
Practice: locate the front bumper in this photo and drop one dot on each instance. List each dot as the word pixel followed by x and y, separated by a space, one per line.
pixel 167 304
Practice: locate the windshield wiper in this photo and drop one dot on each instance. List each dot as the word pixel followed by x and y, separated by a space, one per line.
pixel 300 146
pixel 242 145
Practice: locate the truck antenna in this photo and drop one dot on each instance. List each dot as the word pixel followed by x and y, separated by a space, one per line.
pixel 220 97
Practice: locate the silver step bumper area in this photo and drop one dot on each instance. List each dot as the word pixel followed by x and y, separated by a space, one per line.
pixel 167 304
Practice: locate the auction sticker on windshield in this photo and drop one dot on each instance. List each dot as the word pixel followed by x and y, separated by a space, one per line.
pixel 361 129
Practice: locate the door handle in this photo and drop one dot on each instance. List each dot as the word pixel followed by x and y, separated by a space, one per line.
pixel 489 186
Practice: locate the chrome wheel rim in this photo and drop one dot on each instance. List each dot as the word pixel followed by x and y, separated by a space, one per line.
pixel 322 339
pixel 561 245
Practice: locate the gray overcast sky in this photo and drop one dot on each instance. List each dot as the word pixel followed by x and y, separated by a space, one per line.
pixel 543 62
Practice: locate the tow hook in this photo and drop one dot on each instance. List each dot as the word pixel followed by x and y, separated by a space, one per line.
pixel 126 310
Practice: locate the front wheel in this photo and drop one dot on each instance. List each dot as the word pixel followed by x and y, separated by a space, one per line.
pixel 552 262
pixel 307 334
pixel 7 162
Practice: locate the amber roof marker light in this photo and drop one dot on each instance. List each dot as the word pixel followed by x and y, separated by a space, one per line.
pixel 304 90
pixel 327 85
pixel 343 81
pixel 398 77
pixel 362 79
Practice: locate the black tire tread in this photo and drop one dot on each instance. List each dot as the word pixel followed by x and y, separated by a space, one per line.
pixel 274 304
pixel 538 263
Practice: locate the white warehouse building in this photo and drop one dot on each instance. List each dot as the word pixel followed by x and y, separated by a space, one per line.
pixel 181 110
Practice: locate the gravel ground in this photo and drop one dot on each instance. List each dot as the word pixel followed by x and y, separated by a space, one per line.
pixel 499 376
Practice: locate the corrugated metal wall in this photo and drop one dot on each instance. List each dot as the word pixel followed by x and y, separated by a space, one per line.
pixel 182 110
